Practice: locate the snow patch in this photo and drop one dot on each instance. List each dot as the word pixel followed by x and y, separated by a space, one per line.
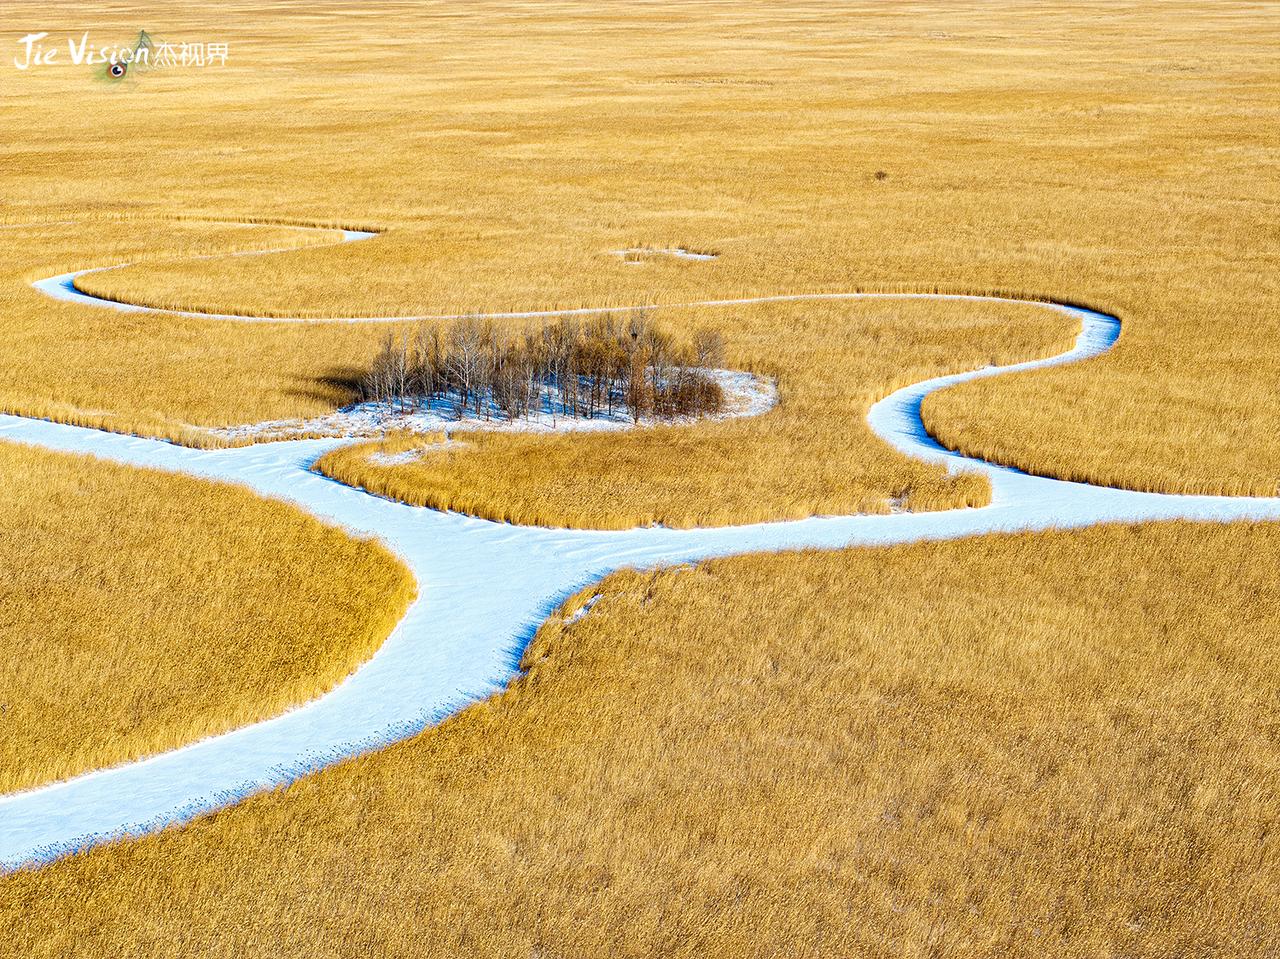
pixel 746 394
pixel 582 610
pixel 631 254
pixel 411 455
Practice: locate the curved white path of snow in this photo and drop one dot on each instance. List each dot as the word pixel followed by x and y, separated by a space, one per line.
pixel 63 287
pixel 484 589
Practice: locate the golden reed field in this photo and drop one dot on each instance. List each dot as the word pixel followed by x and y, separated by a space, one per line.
pixel 812 454
pixel 1059 744
pixel 1117 155
pixel 141 610
pixel 1009 746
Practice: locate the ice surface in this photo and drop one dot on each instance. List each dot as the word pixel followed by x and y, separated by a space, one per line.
pixel 483 590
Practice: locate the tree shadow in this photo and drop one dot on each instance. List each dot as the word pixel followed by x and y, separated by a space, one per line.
pixel 337 387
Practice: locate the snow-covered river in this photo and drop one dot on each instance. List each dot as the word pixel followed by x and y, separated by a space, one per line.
pixel 485 587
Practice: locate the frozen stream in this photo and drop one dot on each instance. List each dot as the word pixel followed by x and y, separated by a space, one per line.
pixel 484 588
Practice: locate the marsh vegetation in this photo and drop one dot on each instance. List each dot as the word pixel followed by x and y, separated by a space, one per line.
pixel 1011 746
pixel 141 610
pixel 537 177
pixel 568 367
pixel 1015 746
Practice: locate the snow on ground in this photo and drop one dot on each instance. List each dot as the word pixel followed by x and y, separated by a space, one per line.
pixel 582 610
pixel 745 395
pixel 411 455
pixel 486 587
pixel 631 253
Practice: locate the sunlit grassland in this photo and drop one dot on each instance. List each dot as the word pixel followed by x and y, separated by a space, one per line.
pixel 1117 155
pixel 1010 746
pixel 169 375
pixel 1059 744
pixel 812 454
pixel 133 373
pixel 141 610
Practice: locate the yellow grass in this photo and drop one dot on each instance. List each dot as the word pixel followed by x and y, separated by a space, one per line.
pixel 129 372
pixel 1117 155
pixel 143 610
pixel 812 454
pixel 1051 745
pixel 1004 747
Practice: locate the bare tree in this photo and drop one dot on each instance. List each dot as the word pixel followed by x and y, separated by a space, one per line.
pixel 566 368
pixel 427 373
pixel 708 348
pixel 465 361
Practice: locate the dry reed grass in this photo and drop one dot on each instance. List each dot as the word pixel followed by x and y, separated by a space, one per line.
pixel 132 373
pixel 130 626
pixel 812 454
pixel 1001 747
pixel 1112 155
pixel 1014 746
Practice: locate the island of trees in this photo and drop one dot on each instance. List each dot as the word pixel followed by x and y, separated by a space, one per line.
pixel 607 364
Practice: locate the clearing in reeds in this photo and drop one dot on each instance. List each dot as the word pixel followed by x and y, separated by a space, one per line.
pixel 1013 746
pixel 143 610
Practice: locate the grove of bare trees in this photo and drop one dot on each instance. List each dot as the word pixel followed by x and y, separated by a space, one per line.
pixel 608 364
